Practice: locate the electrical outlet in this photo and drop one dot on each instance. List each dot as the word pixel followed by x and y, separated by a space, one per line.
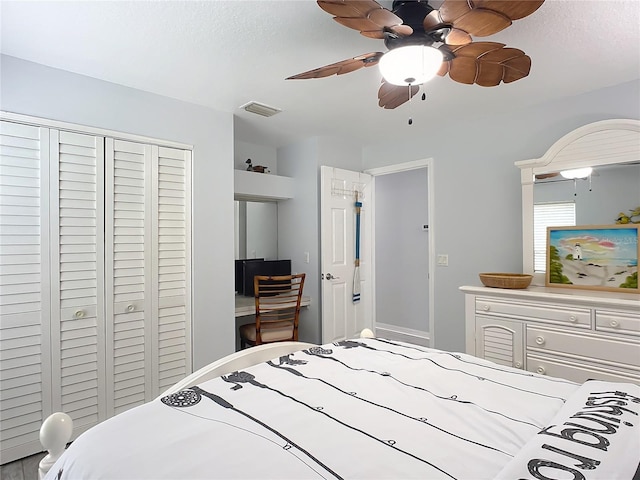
pixel 443 260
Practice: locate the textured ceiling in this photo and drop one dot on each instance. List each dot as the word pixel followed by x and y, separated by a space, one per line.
pixel 222 54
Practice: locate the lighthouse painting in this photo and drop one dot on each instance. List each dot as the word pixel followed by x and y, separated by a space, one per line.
pixel 603 257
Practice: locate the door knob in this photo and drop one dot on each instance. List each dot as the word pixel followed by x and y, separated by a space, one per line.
pixel 331 277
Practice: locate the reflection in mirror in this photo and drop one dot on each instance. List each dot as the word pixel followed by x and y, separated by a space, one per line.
pixel 256 230
pixel 611 192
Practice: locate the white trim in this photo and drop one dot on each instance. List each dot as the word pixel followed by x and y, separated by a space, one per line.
pixel 393 332
pixel 74 127
pixel 553 159
pixel 397 168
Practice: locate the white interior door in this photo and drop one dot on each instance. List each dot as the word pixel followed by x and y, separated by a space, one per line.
pixel 77 256
pixel 25 372
pixel 341 317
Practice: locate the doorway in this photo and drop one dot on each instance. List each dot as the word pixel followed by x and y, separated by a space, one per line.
pixel 403 252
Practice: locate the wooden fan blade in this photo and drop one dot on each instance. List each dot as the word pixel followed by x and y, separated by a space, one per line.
pixel 366 16
pixel 463 70
pixel 486 64
pixel 431 21
pixel 482 23
pixel 514 9
pixel 458 37
pixel 401 30
pixel 485 17
pixel 349 8
pixel 360 24
pixel 391 96
pixel 516 68
pixel 384 18
pixel 542 176
pixel 342 67
pixel 450 10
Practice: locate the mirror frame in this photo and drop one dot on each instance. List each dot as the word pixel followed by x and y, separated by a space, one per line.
pixel 607 142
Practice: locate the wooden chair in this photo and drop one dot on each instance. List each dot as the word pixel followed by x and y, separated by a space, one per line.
pixel 277 310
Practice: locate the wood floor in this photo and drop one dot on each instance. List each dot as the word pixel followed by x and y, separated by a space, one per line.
pixel 24 469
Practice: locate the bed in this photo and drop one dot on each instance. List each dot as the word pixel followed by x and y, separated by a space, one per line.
pixel 367 408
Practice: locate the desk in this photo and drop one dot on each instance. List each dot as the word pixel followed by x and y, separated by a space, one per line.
pixel 247 305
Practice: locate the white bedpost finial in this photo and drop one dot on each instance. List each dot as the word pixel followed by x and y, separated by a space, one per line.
pixel 55 433
pixel 366 333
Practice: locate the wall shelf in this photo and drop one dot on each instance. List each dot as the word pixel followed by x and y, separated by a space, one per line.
pixel 261 187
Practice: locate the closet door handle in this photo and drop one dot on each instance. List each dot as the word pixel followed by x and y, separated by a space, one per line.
pixel 79 314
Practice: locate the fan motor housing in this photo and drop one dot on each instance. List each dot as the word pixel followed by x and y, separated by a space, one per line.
pixel 413 13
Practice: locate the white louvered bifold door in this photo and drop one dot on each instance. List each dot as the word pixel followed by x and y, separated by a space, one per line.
pixel 25 375
pixel 77 315
pixel 128 274
pixel 172 261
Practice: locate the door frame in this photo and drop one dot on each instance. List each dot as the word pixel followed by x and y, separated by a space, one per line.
pixel 397 168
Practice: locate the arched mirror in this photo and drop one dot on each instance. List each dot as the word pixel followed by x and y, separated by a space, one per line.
pixel 611 148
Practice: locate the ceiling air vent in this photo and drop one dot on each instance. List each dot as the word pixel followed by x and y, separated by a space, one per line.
pixel 260 109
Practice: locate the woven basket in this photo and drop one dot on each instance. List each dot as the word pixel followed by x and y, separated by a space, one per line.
pixel 506 280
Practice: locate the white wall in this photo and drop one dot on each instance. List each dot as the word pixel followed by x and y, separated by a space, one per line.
pixel 37 90
pixel 477 187
pixel 259 155
pixel 402 250
pixel 298 228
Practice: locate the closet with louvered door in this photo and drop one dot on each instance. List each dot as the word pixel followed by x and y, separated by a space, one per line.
pixel 172 300
pixel 94 277
pixel 25 369
pixel 129 270
pixel 77 267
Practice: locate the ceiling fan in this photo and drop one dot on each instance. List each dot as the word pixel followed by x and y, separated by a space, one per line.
pixel 426 36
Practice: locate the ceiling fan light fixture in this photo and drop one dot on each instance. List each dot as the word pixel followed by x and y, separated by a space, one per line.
pixel 577 173
pixel 410 65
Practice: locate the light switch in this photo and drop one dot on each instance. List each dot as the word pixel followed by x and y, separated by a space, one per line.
pixel 306 257
pixel 443 260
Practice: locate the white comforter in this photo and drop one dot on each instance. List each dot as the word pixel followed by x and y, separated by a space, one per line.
pixel 361 409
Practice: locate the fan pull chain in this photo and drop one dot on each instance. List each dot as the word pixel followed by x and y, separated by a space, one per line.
pixel 410 119
pixel 575 187
pixel 589 182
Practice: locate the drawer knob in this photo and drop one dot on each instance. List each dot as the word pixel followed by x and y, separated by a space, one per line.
pixel 486 308
pixel 540 340
pixel 518 365
pixel 614 323
pixel 540 370
pixel 79 313
pixel 130 308
pixel 573 318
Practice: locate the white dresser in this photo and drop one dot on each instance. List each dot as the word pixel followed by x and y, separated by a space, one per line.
pixel 573 334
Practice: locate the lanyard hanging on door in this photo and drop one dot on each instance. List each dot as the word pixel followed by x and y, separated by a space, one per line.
pixel 356 273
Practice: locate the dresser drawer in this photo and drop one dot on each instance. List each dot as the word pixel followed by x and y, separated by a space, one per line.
pixel 579 371
pixel 618 322
pixel 589 346
pixel 574 316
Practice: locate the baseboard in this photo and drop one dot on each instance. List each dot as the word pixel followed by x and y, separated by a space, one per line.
pixel 393 332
